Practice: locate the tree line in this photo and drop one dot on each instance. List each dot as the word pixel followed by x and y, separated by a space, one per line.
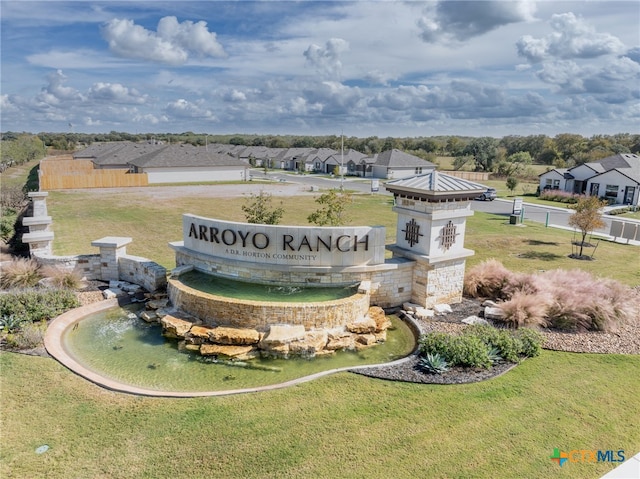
pixel 503 156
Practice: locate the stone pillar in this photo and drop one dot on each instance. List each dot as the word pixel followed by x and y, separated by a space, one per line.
pixel 111 248
pixel 432 211
pixel 40 237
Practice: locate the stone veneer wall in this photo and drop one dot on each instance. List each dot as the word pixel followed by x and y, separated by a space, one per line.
pixel 439 283
pixel 142 271
pixel 85 265
pixel 216 310
pixel 391 282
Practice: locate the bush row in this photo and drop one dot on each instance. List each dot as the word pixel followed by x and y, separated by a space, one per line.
pixel 37 304
pixel 482 346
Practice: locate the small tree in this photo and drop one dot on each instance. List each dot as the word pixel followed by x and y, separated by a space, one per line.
pixel 512 182
pixel 587 217
pixel 332 213
pixel 258 210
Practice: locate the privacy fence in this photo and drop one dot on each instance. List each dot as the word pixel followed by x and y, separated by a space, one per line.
pixel 65 173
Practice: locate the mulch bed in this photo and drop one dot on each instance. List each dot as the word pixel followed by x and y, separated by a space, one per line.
pixel 626 340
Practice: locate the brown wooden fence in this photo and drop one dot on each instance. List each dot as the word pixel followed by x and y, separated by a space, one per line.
pixel 64 173
pixel 469 175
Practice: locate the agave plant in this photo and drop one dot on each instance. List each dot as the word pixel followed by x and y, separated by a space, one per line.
pixel 10 323
pixel 433 364
pixel 494 356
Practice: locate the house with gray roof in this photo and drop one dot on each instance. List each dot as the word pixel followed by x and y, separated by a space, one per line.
pixel 614 178
pixel 184 163
pixel 395 164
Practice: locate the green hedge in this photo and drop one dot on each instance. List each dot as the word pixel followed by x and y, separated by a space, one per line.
pixel 37 304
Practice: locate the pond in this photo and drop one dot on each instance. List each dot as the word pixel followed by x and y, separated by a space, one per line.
pixel 117 345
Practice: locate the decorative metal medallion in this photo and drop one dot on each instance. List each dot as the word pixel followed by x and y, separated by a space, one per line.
pixel 412 232
pixel 448 235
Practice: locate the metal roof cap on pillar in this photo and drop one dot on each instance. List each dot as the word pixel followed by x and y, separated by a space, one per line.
pixel 435 187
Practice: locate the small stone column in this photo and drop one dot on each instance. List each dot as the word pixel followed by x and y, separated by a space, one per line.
pixel 40 237
pixel 111 248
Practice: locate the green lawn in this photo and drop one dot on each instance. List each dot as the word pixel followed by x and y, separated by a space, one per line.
pixel 78 219
pixel 342 426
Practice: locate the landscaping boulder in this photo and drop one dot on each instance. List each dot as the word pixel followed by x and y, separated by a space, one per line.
pixel 475 320
pixel 442 309
pixel 341 343
pixel 283 334
pixel 362 325
pixel 149 316
pixel 424 313
pixel 175 327
pixel 227 351
pixel 380 318
pixel 313 342
pixel 493 313
pixel 233 336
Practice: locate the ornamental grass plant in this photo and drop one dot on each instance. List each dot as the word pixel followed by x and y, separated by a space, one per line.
pixel 573 300
pixel 20 273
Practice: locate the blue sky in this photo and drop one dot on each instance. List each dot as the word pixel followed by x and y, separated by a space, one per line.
pixel 366 68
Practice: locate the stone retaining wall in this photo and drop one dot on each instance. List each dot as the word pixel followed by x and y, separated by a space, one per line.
pixel 216 310
pixel 391 282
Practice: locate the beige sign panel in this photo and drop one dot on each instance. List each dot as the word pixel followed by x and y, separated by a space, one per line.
pixel 285 245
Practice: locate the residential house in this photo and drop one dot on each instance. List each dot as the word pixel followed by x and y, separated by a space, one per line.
pixel 395 164
pixel 187 163
pixel 615 178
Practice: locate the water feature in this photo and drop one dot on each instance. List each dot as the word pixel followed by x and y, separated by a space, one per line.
pixel 243 290
pixel 116 344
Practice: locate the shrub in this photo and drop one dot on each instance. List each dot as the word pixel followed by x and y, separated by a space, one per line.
pixel 487 280
pixel 465 350
pixel 433 364
pixel 480 346
pixel 61 278
pixel 435 343
pixel 37 305
pixel 507 345
pixel 531 342
pixel 525 310
pixel 20 273
pixel 30 336
pixel 560 196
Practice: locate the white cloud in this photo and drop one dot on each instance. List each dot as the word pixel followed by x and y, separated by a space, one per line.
pixel 326 60
pixel 56 93
pixel 182 108
pixel 171 44
pixel 115 92
pixel 448 21
pixel 572 37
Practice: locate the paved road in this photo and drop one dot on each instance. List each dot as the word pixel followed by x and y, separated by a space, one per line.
pixel 552 216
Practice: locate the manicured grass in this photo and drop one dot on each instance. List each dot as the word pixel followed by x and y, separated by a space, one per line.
pixel 79 218
pixel 342 426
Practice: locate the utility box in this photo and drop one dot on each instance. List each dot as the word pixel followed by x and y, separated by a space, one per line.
pixel 514 219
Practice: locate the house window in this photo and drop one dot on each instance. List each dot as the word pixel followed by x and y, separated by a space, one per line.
pixel 595 188
pixel 611 191
pixel 418 170
pixel 317 165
